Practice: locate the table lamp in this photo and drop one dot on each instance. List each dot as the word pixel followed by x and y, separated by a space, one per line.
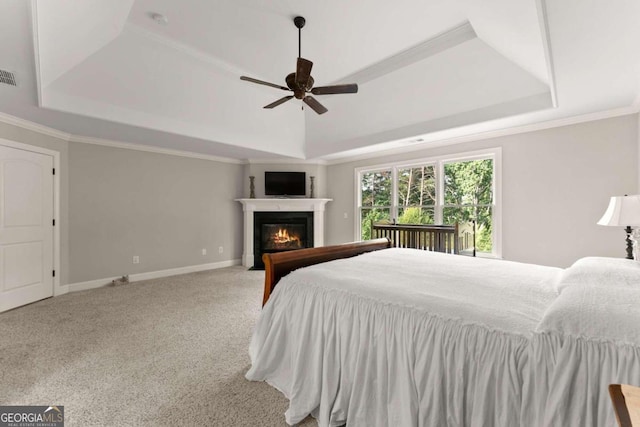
pixel 623 211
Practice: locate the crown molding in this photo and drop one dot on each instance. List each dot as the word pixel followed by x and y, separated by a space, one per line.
pixel 157 150
pixel 432 46
pixel 35 127
pixel 287 161
pixel 543 22
pixel 33 9
pixel 479 136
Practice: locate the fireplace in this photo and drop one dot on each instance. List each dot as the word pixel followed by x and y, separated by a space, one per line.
pixel 280 231
pixel 313 207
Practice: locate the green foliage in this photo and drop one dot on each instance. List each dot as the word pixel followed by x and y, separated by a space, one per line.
pixel 371 216
pixel 468 187
pixel 417 186
pixel 483 240
pixel 416 215
pixel 376 188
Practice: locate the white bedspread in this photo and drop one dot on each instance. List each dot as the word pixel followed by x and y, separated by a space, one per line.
pixel 447 343
pixel 593 332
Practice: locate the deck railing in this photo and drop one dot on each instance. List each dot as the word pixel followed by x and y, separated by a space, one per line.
pixel 439 238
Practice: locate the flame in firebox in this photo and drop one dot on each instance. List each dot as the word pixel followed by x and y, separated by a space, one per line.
pixel 283 237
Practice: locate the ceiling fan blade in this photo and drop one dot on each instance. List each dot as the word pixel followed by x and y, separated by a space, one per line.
pixel 331 90
pixel 261 82
pixel 303 72
pixel 315 105
pixel 279 101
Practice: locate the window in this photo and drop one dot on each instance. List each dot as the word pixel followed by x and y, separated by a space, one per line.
pixel 416 195
pixel 468 198
pixel 444 190
pixel 375 199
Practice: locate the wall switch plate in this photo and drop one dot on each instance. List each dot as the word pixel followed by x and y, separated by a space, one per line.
pixel 220 250
pixel 204 251
pixel 346 215
pixel 136 259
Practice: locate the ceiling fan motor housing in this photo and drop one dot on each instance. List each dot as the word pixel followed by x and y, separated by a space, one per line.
pixel 298 91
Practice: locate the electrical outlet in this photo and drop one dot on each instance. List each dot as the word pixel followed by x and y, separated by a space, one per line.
pixel 204 251
pixel 136 259
pixel 346 215
pixel 220 250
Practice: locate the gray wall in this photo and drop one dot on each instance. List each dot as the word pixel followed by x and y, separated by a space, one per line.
pixel 116 203
pixel 556 185
pixel 18 134
pixel 258 170
pixel 164 209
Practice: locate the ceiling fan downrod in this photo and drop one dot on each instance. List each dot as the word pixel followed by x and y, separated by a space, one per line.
pixel 299 22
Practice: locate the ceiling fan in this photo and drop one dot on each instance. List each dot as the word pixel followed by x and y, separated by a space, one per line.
pixel 301 82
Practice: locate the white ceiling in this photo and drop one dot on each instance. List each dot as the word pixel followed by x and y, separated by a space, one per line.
pixel 433 70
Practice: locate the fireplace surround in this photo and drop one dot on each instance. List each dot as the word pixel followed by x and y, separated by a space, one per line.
pixel 251 206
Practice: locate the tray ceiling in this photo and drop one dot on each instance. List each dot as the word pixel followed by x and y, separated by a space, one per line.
pixel 435 70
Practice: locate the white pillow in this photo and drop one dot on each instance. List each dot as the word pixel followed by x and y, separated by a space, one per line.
pixel 601 271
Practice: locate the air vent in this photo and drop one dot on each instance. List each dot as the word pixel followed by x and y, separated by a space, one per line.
pixel 8 78
pixel 412 141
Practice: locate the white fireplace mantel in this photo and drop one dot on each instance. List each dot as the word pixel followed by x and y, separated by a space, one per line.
pixel 249 206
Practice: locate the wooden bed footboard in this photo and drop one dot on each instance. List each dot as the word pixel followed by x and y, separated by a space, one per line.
pixel 279 264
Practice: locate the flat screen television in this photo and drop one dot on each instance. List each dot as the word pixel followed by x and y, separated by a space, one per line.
pixel 285 184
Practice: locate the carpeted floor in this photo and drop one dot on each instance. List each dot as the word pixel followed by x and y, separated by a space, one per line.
pixel 170 351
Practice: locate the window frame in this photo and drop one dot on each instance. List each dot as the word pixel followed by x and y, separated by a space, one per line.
pixel 494 154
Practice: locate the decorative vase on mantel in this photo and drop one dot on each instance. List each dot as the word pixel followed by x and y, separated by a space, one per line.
pixel 312 178
pixel 252 187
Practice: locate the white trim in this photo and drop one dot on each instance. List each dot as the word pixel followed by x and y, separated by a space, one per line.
pixel 457 157
pixel 32 126
pixel 150 149
pixel 331 159
pixel 33 8
pixel 543 22
pixel 35 127
pixel 438 216
pixel 57 288
pixel 439 43
pixel 497 203
pixel 286 161
pixel 566 121
pixel 98 283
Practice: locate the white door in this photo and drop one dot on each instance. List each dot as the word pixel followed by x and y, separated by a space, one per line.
pixel 26 227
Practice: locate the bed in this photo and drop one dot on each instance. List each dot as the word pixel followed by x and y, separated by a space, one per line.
pixel 451 341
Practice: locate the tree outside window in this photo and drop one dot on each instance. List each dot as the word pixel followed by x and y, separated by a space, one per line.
pixel 416 195
pixel 375 191
pixel 438 191
pixel 468 197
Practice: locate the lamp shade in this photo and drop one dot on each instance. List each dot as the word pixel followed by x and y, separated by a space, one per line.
pixel 622 211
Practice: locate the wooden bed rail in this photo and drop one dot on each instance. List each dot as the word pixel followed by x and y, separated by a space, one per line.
pixel 279 264
pixel 438 238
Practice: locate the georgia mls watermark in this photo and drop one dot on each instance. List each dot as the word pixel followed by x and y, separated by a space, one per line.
pixel 31 416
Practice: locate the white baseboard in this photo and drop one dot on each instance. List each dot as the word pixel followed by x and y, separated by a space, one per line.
pixel 98 283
